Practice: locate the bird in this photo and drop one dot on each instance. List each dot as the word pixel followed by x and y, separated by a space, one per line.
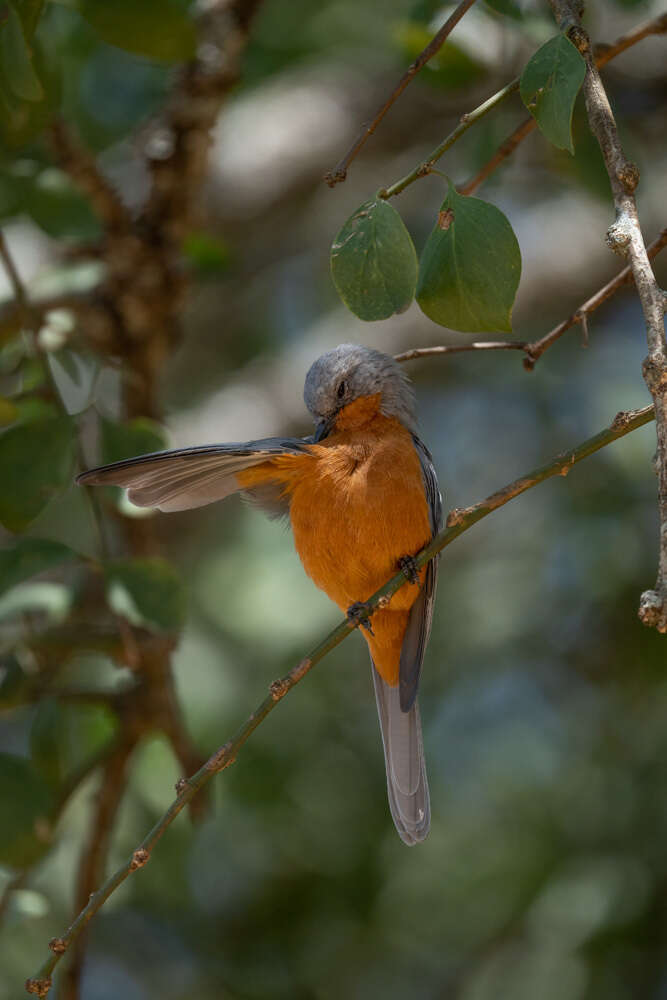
pixel 362 498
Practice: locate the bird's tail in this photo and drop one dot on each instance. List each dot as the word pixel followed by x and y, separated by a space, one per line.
pixel 407 785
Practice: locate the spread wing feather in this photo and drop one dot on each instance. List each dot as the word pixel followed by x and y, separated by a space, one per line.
pixel 190 477
pixel 421 614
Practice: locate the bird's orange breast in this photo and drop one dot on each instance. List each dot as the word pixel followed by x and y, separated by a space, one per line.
pixel 357 505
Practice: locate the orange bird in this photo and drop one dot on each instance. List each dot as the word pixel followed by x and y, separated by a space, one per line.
pixel 362 498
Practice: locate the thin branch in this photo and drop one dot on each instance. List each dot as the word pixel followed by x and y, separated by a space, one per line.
pixel 483 345
pixel 339 172
pixel 459 521
pixel 625 237
pixel 467 120
pixel 603 54
pixel 536 348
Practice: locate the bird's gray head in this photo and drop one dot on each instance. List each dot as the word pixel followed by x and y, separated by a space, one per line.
pixel 350 372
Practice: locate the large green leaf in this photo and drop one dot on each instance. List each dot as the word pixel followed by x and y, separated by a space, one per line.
pixel 16 58
pixel 549 87
pixel 373 262
pixel 29 556
pixel 26 801
pixel 159 29
pixel 147 592
pixel 36 462
pixel 470 267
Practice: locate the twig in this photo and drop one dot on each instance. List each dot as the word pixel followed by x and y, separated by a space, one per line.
pixel 483 345
pixel 467 120
pixel 536 348
pixel 603 54
pixel 339 172
pixel 459 521
pixel 625 237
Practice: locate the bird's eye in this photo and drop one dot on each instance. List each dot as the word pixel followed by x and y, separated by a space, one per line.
pixel 342 389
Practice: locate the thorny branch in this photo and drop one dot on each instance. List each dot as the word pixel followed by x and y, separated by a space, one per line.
pixel 625 237
pixel 458 521
pixel 339 172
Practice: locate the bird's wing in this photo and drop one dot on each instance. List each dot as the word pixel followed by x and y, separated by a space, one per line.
pixel 421 613
pixel 407 786
pixel 192 477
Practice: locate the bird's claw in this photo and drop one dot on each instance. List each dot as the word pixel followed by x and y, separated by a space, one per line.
pixel 408 567
pixel 360 614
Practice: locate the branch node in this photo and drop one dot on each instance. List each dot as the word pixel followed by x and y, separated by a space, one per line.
pixel 38 987
pixel 278 689
pixel 139 858
pixel 619 235
pixel 655 376
pixel 652 611
pixel 58 946
pixel 456 516
pixel 383 602
pixel 181 785
pixel 579 38
pixel 628 175
pixel 221 759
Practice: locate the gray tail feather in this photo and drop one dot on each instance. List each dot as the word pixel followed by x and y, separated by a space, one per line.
pixel 407 785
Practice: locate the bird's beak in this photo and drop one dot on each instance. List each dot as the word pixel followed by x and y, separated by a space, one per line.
pixel 323 428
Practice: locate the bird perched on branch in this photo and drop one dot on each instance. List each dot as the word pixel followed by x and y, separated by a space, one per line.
pixel 362 498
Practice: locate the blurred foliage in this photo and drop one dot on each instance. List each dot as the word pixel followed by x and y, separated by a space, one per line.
pixel 543 698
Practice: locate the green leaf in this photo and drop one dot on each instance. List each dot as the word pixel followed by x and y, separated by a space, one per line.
pixel 136 437
pixel 16 58
pixel 29 556
pixel 373 262
pixel 147 592
pixel 470 267
pixel 26 799
pixel 159 29
pixel 549 87
pixel 36 462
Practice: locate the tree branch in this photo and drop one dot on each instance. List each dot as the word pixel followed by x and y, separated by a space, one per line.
pixel 339 172
pixel 536 348
pixel 603 54
pixel 625 237
pixel 482 345
pixel 458 521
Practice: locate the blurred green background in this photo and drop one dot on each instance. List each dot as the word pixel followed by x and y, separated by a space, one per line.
pixel 544 700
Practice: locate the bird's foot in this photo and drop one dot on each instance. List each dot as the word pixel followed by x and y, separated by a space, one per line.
pixel 360 614
pixel 409 568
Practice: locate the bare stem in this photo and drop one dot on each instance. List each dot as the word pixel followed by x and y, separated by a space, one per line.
pixel 625 237
pixel 467 120
pixel 481 345
pixel 339 172
pixel 459 521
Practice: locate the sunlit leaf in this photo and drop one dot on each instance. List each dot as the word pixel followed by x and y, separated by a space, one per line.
pixel 147 592
pixel 36 462
pixel 29 556
pixel 26 800
pixel 373 262
pixel 549 87
pixel 470 267
pixel 159 29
